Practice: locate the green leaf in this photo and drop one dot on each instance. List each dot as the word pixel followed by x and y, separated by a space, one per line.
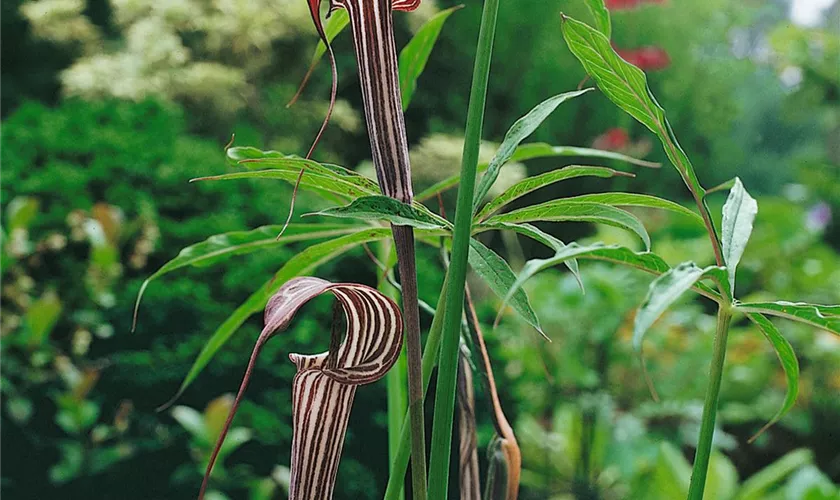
pixel 388 209
pixel 303 263
pixel 820 316
pixel 738 215
pixel 414 55
pixel 325 185
pixel 517 133
pixel 543 150
pixel 499 277
pixel 41 317
pixel 548 240
pixel 602 16
pixel 565 210
pixel 253 159
pixel 644 261
pixel 220 247
pixel 638 200
pixel 664 291
pixel 759 485
pixel 626 86
pixel 530 184
pixel 789 364
pixel 21 211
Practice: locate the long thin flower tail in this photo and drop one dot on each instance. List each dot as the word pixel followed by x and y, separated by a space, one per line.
pixel 324 387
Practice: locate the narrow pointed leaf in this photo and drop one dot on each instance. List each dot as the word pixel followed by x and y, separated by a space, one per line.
pixel 565 210
pixel 664 291
pixel 499 277
pixel 626 86
pixel 388 209
pixel 820 316
pixel 790 365
pixel 638 200
pixel 548 240
pixel 304 262
pixel 324 185
pixel 443 185
pixel 325 384
pixel 738 215
pixel 220 247
pixel 533 150
pixel 414 55
pixel 517 133
pixel 602 16
pixel 530 184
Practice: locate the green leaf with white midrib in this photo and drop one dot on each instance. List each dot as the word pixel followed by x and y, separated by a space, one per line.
pixel 638 200
pixel 304 262
pixel 271 160
pixel 413 56
pixel 739 212
pixel 626 86
pixel 221 247
pixel 548 240
pixel 571 211
pixel 517 133
pixel 664 291
pixel 531 184
pixel 384 208
pixel 499 277
pixel 790 365
pixel 826 317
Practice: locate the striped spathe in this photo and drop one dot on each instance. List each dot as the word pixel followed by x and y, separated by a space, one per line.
pixel 325 384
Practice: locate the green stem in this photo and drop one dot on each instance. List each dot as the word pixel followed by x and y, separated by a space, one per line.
pixel 448 371
pixel 399 463
pixel 707 426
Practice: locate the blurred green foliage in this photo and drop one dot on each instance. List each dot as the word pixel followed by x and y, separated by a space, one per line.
pixel 95 198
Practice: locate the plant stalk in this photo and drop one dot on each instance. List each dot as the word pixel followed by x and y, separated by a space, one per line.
pixel 399 463
pixel 457 274
pixel 707 426
pixel 404 243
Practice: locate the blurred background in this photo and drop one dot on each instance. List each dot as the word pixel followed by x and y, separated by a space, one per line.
pixel 109 107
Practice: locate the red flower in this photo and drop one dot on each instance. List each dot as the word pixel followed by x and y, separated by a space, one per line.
pixel 646 58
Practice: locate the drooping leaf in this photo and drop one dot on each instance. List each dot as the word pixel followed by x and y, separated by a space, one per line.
pixel 789 363
pixel 664 291
pixel 499 277
pixel 324 386
pixel 626 86
pixel 548 240
pixel 385 208
pixel 638 200
pixel 543 150
pixel 738 215
pixel 820 316
pixel 602 16
pixel 530 184
pixel 565 210
pixel 220 247
pixel 304 262
pixel 414 55
pixel 517 133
